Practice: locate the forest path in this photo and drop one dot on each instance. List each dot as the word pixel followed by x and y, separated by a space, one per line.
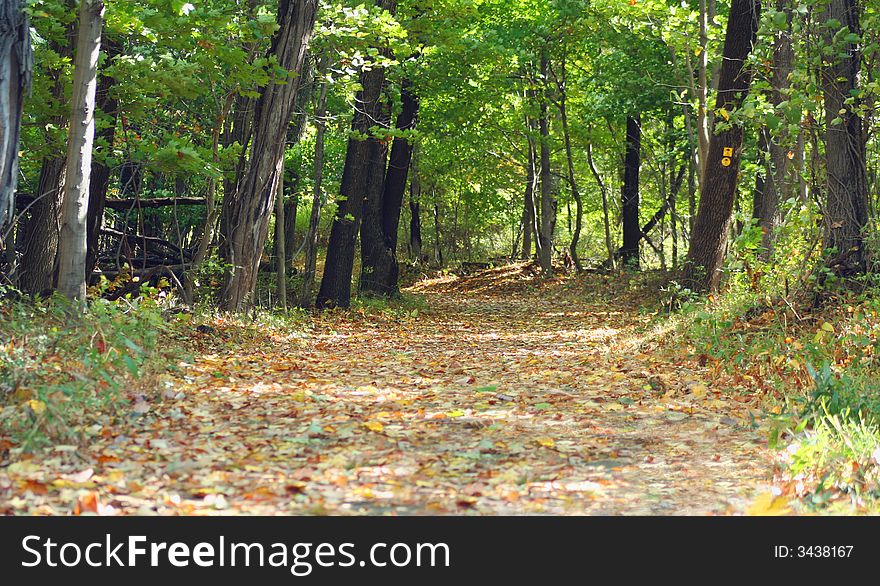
pixel 488 402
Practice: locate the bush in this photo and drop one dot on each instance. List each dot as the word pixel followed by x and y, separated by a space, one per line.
pixel 63 373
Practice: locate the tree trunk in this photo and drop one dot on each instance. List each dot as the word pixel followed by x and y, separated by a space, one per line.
pixel 379 269
pixel 16 63
pixel 629 252
pixel 777 185
pixel 280 244
pixel 363 173
pixel 528 217
pixel 99 181
pixel 39 232
pixel 305 299
pixel 73 238
pixel 246 214
pixel 548 198
pixel 606 214
pixel 575 194
pixel 706 253
pixel 438 242
pixel 415 212
pixel 846 207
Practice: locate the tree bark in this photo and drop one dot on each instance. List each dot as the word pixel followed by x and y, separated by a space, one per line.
pixel 317 194
pixel 706 253
pixel 73 238
pixel 39 232
pixel 415 211
pixel 846 206
pixel 629 252
pixel 379 268
pixel 246 214
pixel 572 180
pixel 606 215
pixel 777 185
pixel 280 244
pixel 548 197
pixel 363 173
pixel 99 181
pixel 16 63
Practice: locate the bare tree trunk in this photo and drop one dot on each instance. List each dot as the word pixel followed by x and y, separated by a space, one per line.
pixel 572 180
pixel 73 245
pixel 846 207
pixel 707 246
pixel 415 213
pixel 606 215
pixel 548 199
pixel 280 252
pixel 305 299
pixel 246 215
pixel 632 234
pixel 16 63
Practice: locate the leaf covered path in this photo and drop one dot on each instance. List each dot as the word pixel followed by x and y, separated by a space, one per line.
pixel 488 402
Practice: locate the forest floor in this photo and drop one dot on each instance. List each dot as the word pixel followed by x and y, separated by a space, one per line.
pixel 498 394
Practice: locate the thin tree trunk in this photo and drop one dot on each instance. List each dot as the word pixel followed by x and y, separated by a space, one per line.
pixel 548 199
pixel 246 215
pixel 207 233
pixel 846 207
pixel 708 239
pixel 606 215
pixel 629 252
pixel 99 181
pixel 575 193
pixel 280 244
pixel 415 214
pixel 73 244
pixel 305 299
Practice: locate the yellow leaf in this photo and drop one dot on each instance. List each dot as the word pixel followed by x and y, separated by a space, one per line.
pixel 769 505
pixel 374 426
pixel 699 391
pixel 724 114
pixel 546 442
pixel 37 406
pixel 827 327
pixel 455 413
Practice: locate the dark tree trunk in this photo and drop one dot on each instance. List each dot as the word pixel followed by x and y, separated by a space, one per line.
pixel 846 207
pixel 415 212
pixel 438 241
pixel 379 268
pixel 629 252
pixel 363 173
pixel 246 214
pixel 548 196
pixel 706 253
pixel 99 181
pixel 39 233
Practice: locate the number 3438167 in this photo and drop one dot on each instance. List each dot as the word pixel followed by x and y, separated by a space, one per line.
pixel 813 551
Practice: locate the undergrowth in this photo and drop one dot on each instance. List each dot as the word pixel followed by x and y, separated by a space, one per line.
pixel 808 347
pixel 65 374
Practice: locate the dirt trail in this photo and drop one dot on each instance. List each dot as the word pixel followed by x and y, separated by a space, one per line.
pixel 487 402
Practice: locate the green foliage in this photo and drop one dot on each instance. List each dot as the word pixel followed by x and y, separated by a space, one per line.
pixel 64 375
